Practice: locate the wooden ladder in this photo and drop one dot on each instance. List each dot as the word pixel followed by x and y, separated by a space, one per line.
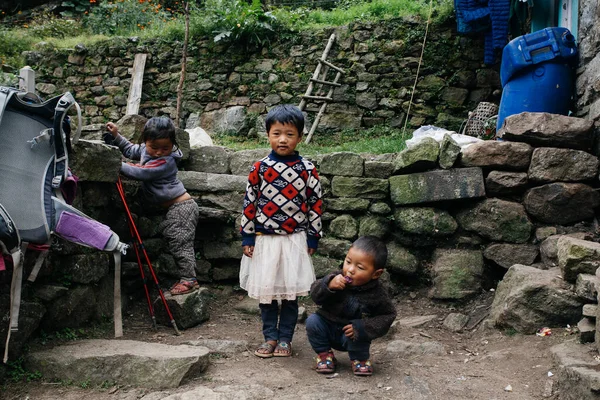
pixel 320 79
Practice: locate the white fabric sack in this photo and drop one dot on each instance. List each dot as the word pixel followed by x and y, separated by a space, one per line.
pixel 199 137
pixel 436 133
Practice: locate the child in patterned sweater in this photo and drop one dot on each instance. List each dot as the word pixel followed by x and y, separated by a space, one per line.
pixel 281 226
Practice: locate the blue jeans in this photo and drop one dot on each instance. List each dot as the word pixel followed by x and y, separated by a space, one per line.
pixel 288 316
pixel 324 335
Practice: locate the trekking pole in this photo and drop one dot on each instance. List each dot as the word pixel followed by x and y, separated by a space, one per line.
pixel 139 246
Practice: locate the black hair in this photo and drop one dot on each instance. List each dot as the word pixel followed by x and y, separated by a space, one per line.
pixel 374 247
pixel 286 114
pixel 159 128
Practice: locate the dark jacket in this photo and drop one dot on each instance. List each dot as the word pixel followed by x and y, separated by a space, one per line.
pixel 368 307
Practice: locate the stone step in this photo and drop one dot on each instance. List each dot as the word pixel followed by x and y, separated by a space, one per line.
pixel 590 310
pixel 123 362
pixel 587 330
pixel 578 373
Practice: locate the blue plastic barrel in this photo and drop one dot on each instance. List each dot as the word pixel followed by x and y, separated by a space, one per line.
pixel 537 73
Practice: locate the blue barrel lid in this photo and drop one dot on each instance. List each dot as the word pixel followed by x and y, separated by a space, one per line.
pixel 548 44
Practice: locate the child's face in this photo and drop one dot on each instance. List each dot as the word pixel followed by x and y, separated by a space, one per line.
pixel 360 266
pixel 284 138
pixel 159 147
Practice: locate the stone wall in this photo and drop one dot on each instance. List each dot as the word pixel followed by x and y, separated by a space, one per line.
pixel 588 82
pixel 227 83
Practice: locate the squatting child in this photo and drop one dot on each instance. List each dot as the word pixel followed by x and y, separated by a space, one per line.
pixel 158 154
pixel 280 226
pixel 354 308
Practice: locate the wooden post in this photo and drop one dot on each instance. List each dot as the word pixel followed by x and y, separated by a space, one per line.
pixel 137 78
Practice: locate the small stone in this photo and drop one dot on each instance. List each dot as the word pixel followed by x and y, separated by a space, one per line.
pixel 508 388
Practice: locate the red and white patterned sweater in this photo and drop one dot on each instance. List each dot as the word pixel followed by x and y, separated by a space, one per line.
pixel 283 196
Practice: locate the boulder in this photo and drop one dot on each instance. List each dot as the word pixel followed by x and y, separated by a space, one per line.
pixel 73 310
pixel 240 162
pixel 548 130
pixel 420 157
pixel 372 225
pixel 93 161
pixel 378 169
pixel 401 261
pixel 426 187
pixel 82 268
pixel 425 221
pixel 125 362
pixel 562 203
pixel 212 159
pixel 449 152
pixel 497 220
pixel 131 126
pixel 500 183
pixel 342 164
pixel 529 298
pixel 456 273
pixel 325 265
pixel 205 182
pixel 455 322
pixel 576 256
pixel 365 188
pixel 550 164
pixel 586 287
pixel 346 204
pixel 506 255
pixel 188 310
pixel 491 154
pixel 344 227
pixel 549 248
pixel 232 120
pixel 30 317
pixel 334 248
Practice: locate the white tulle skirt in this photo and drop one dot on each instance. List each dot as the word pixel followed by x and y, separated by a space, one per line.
pixel 280 268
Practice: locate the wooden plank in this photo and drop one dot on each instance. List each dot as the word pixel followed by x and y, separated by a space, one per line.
pixel 321 98
pixel 137 78
pixel 325 82
pixel 330 65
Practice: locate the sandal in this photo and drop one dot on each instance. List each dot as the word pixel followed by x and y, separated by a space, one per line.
pixel 265 354
pixel 283 349
pixel 326 363
pixel 362 368
pixel 184 287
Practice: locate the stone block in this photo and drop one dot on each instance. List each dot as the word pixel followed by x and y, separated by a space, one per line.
pixel 565 165
pixel 586 287
pixel 455 322
pixel 587 330
pixel 378 169
pixel 401 261
pixel 549 249
pixel 240 162
pixel 497 220
pixel 421 157
pixel 211 159
pixel 206 182
pixel 372 225
pixel 366 188
pixel 506 255
pixel 344 227
pixel 590 310
pixel 342 163
pixel 425 221
pixel 346 204
pixel 576 256
pixel 93 161
pixel 457 274
pixel 500 183
pixel 334 248
pixel 491 154
pixel 449 152
pixel 548 130
pixel 426 187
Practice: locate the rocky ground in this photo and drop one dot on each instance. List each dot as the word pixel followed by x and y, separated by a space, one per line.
pixel 419 359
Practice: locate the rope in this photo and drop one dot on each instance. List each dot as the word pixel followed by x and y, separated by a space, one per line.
pixel 419 67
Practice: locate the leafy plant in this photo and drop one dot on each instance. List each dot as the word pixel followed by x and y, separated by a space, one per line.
pixel 51 26
pixel 122 17
pixel 73 8
pixel 18 373
pixel 239 22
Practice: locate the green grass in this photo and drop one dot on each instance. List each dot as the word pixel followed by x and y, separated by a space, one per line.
pixel 301 19
pixel 376 140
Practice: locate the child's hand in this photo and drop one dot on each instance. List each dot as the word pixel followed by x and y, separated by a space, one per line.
pixel 113 129
pixel 248 251
pixel 311 251
pixel 349 331
pixel 337 283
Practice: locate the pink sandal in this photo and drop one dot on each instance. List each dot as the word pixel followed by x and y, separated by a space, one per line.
pixel 184 287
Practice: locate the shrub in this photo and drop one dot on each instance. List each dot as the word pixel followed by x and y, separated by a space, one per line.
pixel 236 21
pixel 51 26
pixel 12 44
pixel 124 17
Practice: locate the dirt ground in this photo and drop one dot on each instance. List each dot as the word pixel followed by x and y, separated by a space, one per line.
pixel 480 363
